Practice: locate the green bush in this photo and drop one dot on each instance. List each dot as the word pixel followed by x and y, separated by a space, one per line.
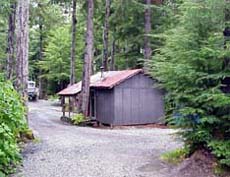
pixel 77 119
pixel 12 121
pixel 221 149
pixel 191 67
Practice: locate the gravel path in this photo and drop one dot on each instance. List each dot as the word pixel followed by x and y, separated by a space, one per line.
pixel 70 151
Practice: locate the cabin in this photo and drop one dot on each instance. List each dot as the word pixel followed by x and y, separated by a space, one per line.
pixel 125 97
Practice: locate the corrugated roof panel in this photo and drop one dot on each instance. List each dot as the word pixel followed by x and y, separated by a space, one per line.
pixel 109 80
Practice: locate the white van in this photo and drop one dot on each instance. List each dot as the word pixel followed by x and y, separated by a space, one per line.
pixel 32 91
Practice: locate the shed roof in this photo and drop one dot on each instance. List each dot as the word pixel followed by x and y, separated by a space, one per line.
pixel 109 80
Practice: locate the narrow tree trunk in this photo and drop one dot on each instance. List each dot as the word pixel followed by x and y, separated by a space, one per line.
pixel 73 50
pixel 112 64
pixel 126 56
pixel 41 80
pixel 22 43
pixel 85 91
pixel 147 46
pixel 10 66
pixel 106 36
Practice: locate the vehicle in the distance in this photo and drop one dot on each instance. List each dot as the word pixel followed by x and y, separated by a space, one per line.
pixel 32 91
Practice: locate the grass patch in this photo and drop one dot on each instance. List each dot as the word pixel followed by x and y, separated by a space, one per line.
pixel 175 156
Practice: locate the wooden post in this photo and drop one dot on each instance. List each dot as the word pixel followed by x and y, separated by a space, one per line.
pixel 74 104
pixel 69 106
pixel 63 105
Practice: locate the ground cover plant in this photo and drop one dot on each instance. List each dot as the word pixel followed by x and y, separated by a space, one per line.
pixel 12 122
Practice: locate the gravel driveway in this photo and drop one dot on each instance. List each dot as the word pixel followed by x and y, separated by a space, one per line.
pixel 71 151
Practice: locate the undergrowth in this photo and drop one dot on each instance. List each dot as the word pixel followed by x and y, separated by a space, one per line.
pixel 176 156
pixel 12 122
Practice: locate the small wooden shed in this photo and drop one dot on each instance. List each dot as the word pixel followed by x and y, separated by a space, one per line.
pixel 125 97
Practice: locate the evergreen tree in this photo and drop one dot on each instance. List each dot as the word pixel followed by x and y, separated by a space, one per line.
pixel 56 63
pixel 190 67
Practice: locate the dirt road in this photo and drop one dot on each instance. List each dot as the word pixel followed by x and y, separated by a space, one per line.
pixel 69 151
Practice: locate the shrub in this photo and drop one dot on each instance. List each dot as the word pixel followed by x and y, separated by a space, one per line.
pixel 191 67
pixel 12 121
pixel 221 149
pixel 77 119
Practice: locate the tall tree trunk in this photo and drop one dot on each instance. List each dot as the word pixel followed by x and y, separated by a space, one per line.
pixel 73 46
pixel 41 81
pixel 88 57
pixel 112 64
pixel 147 45
pixel 106 36
pixel 22 43
pixel 126 54
pixel 10 66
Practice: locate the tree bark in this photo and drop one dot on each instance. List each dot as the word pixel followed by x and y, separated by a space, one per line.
pixel 112 64
pixel 73 46
pixel 147 45
pixel 10 65
pixel 41 81
pixel 88 57
pixel 22 47
pixel 106 36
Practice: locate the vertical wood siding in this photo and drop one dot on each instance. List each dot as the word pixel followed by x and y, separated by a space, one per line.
pixel 105 106
pixel 138 102
pixel 135 101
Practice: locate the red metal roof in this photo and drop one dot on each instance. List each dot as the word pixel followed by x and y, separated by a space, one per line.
pixel 109 80
pixel 71 90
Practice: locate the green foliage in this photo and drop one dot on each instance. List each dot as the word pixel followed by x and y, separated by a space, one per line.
pixel 12 121
pixel 56 64
pixel 221 150
pixel 126 28
pixel 77 119
pixel 175 156
pixel 190 67
pixel 4 11
pixel 44 17
pixel 56 61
